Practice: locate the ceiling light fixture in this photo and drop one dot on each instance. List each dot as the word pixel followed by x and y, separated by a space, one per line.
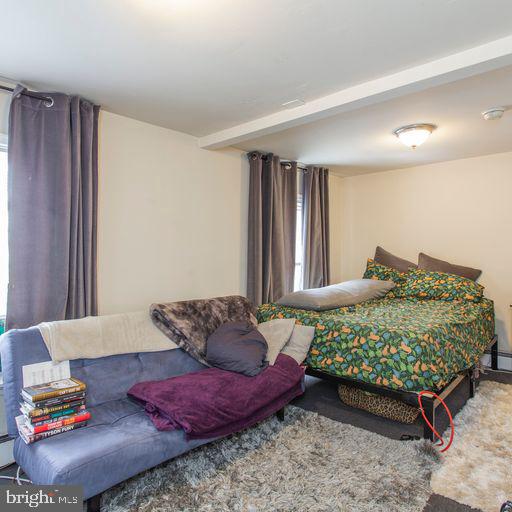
pixel 413 135
pixel 493 113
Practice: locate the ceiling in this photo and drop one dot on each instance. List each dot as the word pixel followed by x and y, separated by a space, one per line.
pixel 362 141
pixel 200 66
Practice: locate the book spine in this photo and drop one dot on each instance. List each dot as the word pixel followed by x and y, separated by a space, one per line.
pixel 59 400
pixel 57 393
pixel 41 411
pixel 32 438
pixel 54 416
pixel 62 423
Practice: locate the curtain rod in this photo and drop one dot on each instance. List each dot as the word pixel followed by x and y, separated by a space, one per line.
pixel 253 155
pixel 48 99
pixel 288 164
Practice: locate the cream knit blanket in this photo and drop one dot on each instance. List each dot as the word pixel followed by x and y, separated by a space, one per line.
pixel 99 336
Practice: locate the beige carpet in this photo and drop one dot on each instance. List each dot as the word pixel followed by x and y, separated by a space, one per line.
pixel 477 469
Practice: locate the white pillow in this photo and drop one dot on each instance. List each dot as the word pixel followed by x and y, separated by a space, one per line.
pixel 299 343
pixel 277 333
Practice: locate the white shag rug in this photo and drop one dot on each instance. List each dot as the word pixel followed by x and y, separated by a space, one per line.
pixel 477 469
pixel 308 462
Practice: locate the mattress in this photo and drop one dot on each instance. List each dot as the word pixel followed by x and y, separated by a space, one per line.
pixel 406 344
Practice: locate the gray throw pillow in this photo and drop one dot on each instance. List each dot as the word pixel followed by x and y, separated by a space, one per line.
pixel 277 333
pixel 426 262
pixel 237 347
pixel 383 257
pixel 299 343
pixel 334 296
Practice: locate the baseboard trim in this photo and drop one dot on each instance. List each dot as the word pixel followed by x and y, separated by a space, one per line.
pixel 504 361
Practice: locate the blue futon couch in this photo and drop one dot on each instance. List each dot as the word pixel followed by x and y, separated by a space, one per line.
pixel 119 441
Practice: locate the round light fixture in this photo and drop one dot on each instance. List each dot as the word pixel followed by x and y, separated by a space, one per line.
pixel 493 113
pixel 413 135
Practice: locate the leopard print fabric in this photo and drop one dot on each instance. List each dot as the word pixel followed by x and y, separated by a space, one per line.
pixel 379 405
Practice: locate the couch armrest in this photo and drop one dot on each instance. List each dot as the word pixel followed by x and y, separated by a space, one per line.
pixel 18 347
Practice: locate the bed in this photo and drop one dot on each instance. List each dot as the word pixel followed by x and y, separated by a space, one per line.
pixel 396 346
pixel 403 344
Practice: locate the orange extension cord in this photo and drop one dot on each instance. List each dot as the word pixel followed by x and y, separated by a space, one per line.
pixel 436 433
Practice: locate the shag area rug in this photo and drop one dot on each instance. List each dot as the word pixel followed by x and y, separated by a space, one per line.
pixel 477 468
pixel 308 462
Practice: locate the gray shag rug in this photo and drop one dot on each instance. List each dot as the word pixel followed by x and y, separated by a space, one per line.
pixel 308 462
pixel 477 469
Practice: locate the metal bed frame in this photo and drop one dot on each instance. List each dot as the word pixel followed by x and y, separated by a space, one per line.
pixel 411 397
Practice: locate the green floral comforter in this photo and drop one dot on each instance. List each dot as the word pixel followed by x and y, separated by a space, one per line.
pixel 407 344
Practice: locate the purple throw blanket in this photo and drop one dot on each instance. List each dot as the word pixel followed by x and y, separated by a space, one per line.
pixel 214 402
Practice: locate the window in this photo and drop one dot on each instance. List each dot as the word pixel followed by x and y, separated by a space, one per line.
pixel 297 281
pixel 4 254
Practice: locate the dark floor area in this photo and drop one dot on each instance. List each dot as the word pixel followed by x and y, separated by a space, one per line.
pixel 438 503
pixel 8 471
pixel 322 397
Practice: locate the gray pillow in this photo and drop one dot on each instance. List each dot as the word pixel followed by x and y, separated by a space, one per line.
pixel 298 345
pixel 237 347
pixel 334 296
pixel 383 257
pixel 426 262
pixel 277 333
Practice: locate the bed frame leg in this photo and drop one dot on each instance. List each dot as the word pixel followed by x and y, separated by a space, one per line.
pixel 280 414
pixel 472 382
pixel 430 413
pixel 494 355
pixel 94 504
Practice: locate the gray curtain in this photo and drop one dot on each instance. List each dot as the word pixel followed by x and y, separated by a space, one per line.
pixel 272 223
pixel 53 189
pixel 315 201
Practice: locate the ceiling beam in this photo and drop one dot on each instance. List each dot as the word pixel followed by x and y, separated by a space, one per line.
pixel 479 59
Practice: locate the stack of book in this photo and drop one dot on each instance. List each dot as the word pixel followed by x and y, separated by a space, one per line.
pixel 52 408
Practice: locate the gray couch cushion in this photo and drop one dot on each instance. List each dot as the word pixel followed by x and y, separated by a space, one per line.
pixel 426 262
pixel 334 296
pixel 118 442
pixel 237 347
pixel 383 257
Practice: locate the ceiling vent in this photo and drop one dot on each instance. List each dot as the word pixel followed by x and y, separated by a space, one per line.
pixel 293 103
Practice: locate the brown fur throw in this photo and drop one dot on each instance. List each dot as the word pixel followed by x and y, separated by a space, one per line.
pixel 190 323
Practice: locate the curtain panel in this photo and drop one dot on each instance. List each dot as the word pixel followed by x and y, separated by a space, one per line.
pixel 272 224
pixel 315 201
pixel 53 191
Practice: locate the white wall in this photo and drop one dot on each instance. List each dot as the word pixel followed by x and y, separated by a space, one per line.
pixel 460 211
pixel 172 217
